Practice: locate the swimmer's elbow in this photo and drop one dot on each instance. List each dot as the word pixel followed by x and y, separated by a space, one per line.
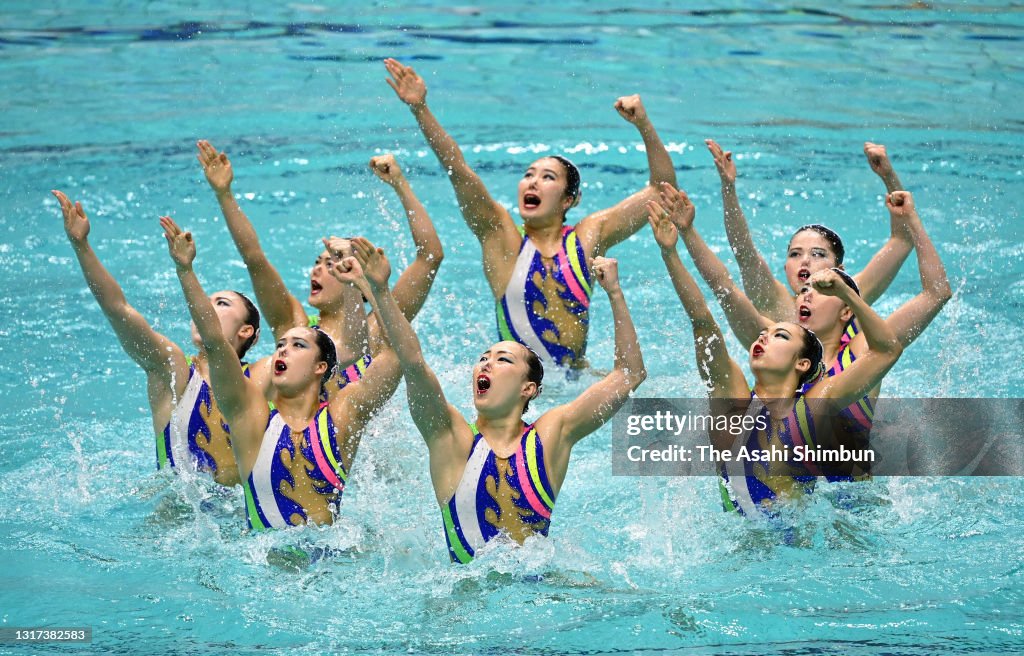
pixel 432 256
pixel 634 376
pixel 892 349
pixel 639 378
pixel 413 363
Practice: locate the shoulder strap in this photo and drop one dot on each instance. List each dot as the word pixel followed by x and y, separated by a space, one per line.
pixel 320 442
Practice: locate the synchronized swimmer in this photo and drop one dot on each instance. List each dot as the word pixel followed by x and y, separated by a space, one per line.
pixel 287 427
pixel 539 272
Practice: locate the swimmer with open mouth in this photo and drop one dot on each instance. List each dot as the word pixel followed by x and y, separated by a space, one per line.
pixel 499 476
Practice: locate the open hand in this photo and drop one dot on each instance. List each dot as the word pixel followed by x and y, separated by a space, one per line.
pixel 723 162
pixel 408 85
pixel 680 210
pixel 216 166
pixel 76 223
pixel 373 261
pixel 179 243
pixel 665 232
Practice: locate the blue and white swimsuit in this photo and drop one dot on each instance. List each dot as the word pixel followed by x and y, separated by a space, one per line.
pixel 750 487
pixel 273 489
pixel 196 431
pixel 546 307
pixel 498 495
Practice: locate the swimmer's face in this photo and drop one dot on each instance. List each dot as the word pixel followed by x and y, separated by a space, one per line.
pixel 297 362
pixel 231 311
pixel 820 313
pixel 777 350
pixel 324 289
pixel 808 253
pixel 500 378
pixel 542 190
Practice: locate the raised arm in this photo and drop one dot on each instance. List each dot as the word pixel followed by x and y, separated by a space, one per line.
pixel 590 410
pixel 769 296
pixel 369 270
pixel 414 284
pixel 148 348
pixel 377 385
pixel 617 223
pixel 913 316
pixel 883 267
pixel 229 384
pixel 483 214
pixel 883 347
pixel 281 310
pixel 744 319
pixel 720 373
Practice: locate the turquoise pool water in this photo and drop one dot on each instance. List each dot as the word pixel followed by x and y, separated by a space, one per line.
pixel 106 103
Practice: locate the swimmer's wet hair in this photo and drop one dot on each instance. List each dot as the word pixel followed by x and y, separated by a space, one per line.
pixel 829 235
pixel 572 176
pixel 813 351
pixel 252 318
pixel 328 354
pixel 535 373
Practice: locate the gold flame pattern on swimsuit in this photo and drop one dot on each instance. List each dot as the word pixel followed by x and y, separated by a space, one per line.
pixel 510 517
pixel 315 497
pixel 218 446
pixel 562 310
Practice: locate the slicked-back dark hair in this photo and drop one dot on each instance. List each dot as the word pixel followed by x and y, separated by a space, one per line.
pixel 813 351
pixel 252 318
pixel 572 176
pixel 328 354
pixel 535 373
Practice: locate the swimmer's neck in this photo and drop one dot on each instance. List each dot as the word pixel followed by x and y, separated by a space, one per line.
pixel 830 344
pixel 547 232
pixel 775 388
pixel 297 409
pixel 502 433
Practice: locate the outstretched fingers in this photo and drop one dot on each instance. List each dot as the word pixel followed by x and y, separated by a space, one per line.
pixel 76 223
pixel 205 148
pixel 65 204
pixel 179 243
pixel 364 250
pixel 207 153
pixel 397 71
pixel 665 232
pixel 720 156
pixel 171 229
